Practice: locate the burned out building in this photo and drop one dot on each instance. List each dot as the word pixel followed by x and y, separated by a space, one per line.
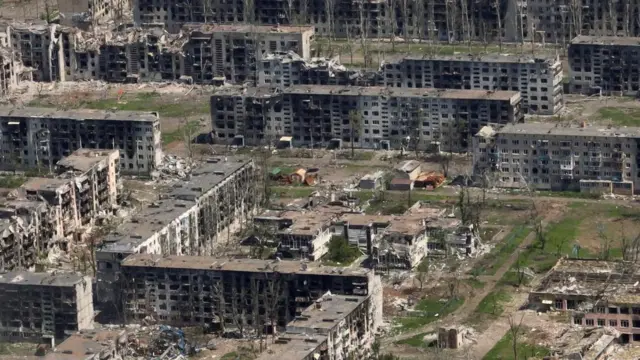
pixel 307 237
pixel 37 48
pixel 317 114
pixel 191 219
pixel 604 64
pixel 552 157
pixel 28 230
pixel 12 72
pixel 91 13
pixel 595 293
pixel 538 79
pixel 287 69
pixel 37 306
pixel 244 294
pixel 40 137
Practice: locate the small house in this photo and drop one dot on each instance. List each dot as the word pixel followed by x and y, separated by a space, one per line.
pixel 298 176
pixel 372 181
pixel 409 169
pixel 401 184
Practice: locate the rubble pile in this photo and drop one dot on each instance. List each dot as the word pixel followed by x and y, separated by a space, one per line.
pixel 172 167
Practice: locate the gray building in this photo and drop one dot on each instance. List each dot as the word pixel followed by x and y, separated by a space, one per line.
pixel 192 219
pixel 607 65
pixel 538 79
pixel 315 115
pixel 553 157
pixel 40 137
pixel 37 306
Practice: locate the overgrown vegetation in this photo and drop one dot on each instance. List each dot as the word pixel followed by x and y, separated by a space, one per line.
pixel 504 348
pixel 493 303
pixel 186 132
pixel 620 116
pixel 340 252
pixel 427 311
pixel 12 181
pixel 491 262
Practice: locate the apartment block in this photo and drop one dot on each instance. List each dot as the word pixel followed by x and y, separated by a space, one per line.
pixel 242 294
pixel 28 229
pixel 604 64
pixel 40 137
pixel 12 72
pixel 191 219
pixel 37 306
pixel 37 49
pixel 538 79
pixel 315 115
pixel 288 69
pixel 595 293
pixel 554 157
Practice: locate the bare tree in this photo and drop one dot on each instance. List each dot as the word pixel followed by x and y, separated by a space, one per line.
pixel 605 243
pixel 329 12
pixel 496 4
pixel 364 30
pixel 392 23
pixel 514 329
pixel 355 122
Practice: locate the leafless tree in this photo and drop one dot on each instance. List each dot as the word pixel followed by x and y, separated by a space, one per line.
pixel 329 12
pixel 422 272
pixel 419 19
pixel 355 123
pixel 496 4
pixel 392 23
pixel 515 331
pixel 605 243
pixel 364 32
pixel 405 20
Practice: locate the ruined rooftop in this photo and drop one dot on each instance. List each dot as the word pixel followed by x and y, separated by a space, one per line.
pixel 551 129
pixel 307 223
pixel 183 196
pixel 491 58
pixel 606 40
pixel 240 265
pixel 77 114
pixel 86 342
pixel 325 313
pixel 40 278
pixel 44 184
pixel 85 159
pixel 293 346
pixel 246 28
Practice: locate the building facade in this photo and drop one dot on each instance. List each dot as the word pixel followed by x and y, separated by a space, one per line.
pixel 381 117
pixel 37 138
pixel 553 157
pixel 37 306
pixel 538 79
pixel 606 65
pixel 192 219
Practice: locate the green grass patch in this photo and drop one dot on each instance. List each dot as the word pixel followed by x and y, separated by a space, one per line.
pixel 475 283
pixel 340 253
pixel 493 303
pixel 183 133
pixel 427 311
pixel 292 192
pixel 491 262
pixel 415 341
pixel 12 181
pixel 503 350
pixel 620 116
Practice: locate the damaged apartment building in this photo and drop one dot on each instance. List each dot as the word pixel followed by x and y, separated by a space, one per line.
pixel 544 156
pixel 36 138
pixel 243 295
pixel 48 212
pixel 538 79
pixel 318 114
pixel 87 14
pixel 200 54
pixel 39 306
pixel 606 65
pixel 595 293
pixel 193 218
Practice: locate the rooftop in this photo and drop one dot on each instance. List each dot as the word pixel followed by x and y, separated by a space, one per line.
pixel 293 346
pixel 240 265
pixel 247 28
pixel 83 343
pixel 85 159
pixel 40 279
pixel 76 114
pixel 44 184
pixel 606 40
pixel 345 90
pixel 373 176
pixel 494 58
pixel 307 223
pixel 325 313
pixel 408 166
pixel 181 198
pixel 363 220
pixel 555 129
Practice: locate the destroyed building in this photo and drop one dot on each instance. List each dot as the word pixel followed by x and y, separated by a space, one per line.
pixel 36 47
pixel 189 220
pixel 245 294
pixel 297 347
pixel 91 13
pixel 556 157
pixel 604 65
pixel 287 69
pixel 28 229
pixel 307 237
pixel 37 306
pixel 91 345
pixel 40 137
pixel 13 73
pixel 538 79
pixel 317 114
pixel 595 293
